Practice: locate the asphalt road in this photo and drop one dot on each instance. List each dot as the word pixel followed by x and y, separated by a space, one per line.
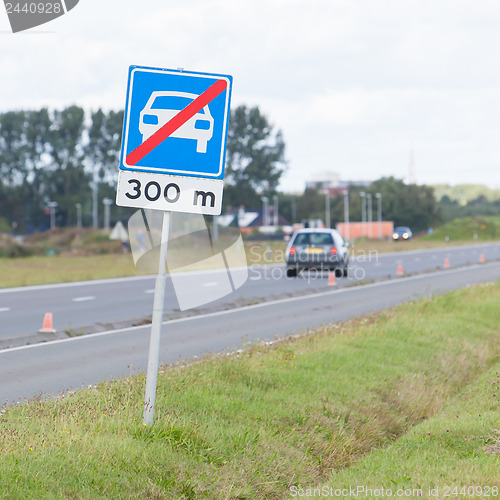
pixel 51 368
pixel 102 305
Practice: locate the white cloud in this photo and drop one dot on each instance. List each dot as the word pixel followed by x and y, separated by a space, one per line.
pixel 351 84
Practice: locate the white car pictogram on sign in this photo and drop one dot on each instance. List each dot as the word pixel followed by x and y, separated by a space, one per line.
pixel 162 106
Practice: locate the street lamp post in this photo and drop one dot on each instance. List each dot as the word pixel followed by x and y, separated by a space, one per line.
pixel 346 214
pixel 106 202
pixel 327 208
pixel 78 214
pixel 265 203
pixel 52 208
pixel 275 210
pixel 370 215
pixel 363 212
pixel 379 214
pixel 95 208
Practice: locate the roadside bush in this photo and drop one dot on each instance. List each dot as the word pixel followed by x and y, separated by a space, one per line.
pixel 10 247
pixel 74 241
pixel 103 247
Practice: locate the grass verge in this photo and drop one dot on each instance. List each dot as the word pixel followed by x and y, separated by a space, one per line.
pixel 63 268
pixel 350 402
pixel 455 454
pixel 477 228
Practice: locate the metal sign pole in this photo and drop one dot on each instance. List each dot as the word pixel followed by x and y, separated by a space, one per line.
pixel 154 344
pixel 157 174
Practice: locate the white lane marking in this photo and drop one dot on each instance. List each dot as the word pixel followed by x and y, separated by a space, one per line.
pixel 255 306
pixel 151 290
pixel 4 309
pixel 83 299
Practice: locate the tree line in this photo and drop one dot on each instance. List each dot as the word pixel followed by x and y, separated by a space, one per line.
pixel 405 204
pixel 55 156
pixel 65 156
pixel 68 156
pixel 409 205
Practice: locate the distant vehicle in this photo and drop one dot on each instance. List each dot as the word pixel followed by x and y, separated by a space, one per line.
pixel 315 248
pixel 162 106
pixel 402 233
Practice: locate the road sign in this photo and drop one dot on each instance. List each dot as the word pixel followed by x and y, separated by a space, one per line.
pixel 174 140
pixel 176 122
pixel 172 159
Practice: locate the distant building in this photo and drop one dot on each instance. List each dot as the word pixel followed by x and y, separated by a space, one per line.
pixel 323 180
pixel 375 229
pixel 330 181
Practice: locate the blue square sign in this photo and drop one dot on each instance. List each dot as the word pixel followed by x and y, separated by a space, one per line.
pixel 176 122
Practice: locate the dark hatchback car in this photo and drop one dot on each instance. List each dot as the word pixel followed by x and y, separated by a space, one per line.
pixel 402 233
pixel 322 249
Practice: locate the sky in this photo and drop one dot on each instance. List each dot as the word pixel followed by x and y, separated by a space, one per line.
pixel 354 86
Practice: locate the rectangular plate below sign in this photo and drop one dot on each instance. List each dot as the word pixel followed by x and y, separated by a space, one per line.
pixel 172 193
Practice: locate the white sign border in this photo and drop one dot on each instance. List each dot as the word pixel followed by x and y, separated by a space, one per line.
pixel 138 168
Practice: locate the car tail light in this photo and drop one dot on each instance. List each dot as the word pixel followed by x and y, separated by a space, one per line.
pixel 292 251
pixel 333 250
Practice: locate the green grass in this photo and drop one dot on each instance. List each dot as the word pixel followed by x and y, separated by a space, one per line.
pixel 349 404
pixel 63 268
pixel 485 228
pixel 459 447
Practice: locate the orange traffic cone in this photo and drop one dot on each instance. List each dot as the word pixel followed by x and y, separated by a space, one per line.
pixel 400 270
pixel 47 327
pixel 446 263
pixel 481 258
pixel 331 278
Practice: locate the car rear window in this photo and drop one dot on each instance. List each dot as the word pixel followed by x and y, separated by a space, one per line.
pixel 313 239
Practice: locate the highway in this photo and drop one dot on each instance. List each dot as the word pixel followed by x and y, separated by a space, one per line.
pixel 102 305
pixel 69 363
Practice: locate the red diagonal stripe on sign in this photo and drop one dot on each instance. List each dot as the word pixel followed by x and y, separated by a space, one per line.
pixel 177 121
